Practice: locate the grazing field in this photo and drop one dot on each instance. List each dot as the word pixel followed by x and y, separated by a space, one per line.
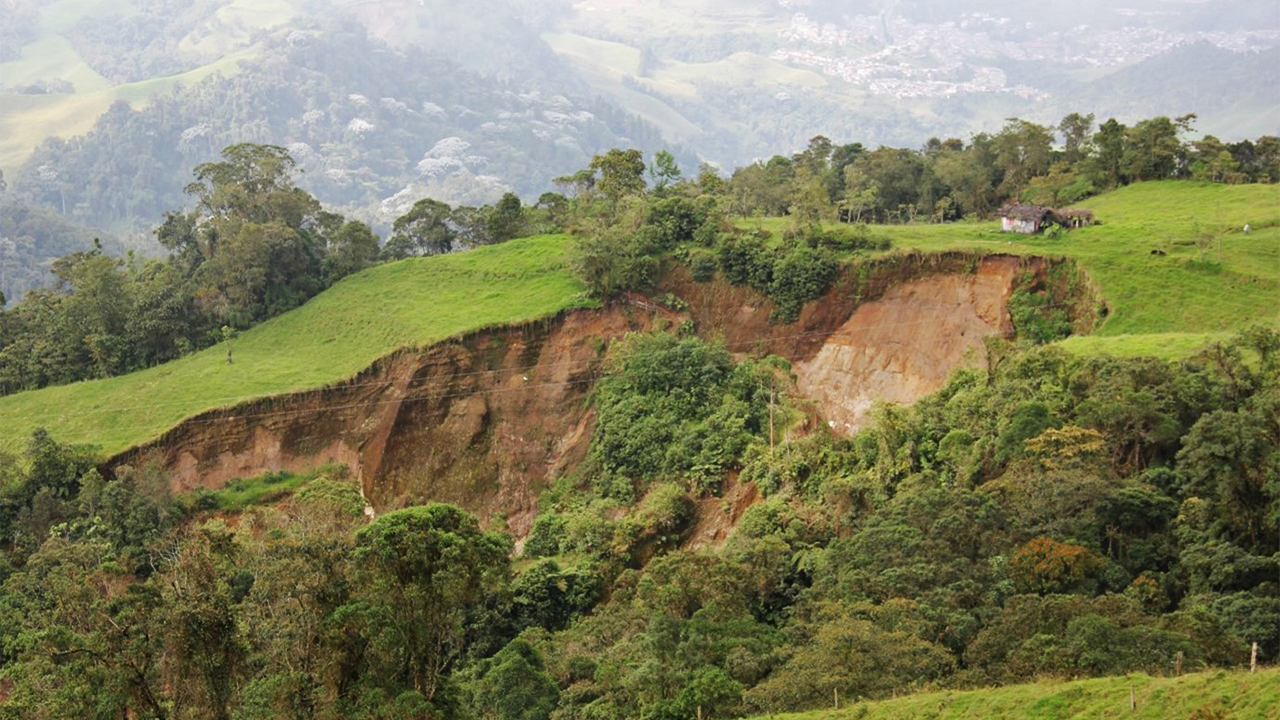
pixel 1216 694
pixel 343 330
pixel 1165 305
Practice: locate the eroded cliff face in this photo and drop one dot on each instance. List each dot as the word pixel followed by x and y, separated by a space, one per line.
pixel 906 344
pixel 488 420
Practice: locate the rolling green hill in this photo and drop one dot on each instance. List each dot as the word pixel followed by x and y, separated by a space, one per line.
pixel 1214 694
pixel 1163 305
pixel 403 304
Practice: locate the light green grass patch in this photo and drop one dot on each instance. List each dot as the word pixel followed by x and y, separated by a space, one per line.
pixel 410 303
pixel 28 119
pixel 258 490
pixel 1219 694
pixel 49 58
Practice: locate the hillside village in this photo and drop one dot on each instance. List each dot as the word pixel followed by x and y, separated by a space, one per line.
pixel 894 56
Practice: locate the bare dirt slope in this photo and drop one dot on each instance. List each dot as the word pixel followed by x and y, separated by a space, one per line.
pixel 487 420
pixel 906 344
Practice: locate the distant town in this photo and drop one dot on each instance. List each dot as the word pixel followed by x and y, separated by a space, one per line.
pixel 898 57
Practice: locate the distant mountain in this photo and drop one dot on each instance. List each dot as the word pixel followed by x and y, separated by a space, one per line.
pixel 104 108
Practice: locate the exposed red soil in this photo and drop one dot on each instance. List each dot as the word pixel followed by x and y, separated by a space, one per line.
pixel 487 420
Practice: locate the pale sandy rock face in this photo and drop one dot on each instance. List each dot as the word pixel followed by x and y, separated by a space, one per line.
pixel 905 345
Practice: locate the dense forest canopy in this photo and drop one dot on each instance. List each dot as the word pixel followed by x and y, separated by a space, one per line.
pixel 1053 516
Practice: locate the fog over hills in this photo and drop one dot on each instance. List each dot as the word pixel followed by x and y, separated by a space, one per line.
pixel 106 106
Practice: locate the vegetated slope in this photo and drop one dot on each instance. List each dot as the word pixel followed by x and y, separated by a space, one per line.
pixel 1162 296
pixel 488 420
pixel 67 61
pixel 1166 305
pixel 409 303
pixel 1212 694
pixel 372 129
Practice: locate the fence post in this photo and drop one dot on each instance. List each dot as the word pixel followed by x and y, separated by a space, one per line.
pixel 1177 665
pixel 1133 700
pixel 1253 660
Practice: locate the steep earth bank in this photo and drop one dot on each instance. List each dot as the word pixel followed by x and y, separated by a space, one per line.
pixel 487 420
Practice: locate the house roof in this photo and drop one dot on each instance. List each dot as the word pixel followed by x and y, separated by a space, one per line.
pixel 1025 212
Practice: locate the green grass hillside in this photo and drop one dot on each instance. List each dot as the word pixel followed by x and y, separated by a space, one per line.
pixel 337 334
pixel 1218 694
pixel 1165 305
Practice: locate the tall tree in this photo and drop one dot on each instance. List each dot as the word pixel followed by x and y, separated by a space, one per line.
pixel 621 174
pixel 1076 131
pixel 424 573
pixel 424 230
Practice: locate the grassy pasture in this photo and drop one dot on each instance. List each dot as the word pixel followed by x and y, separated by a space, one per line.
pixel 1218 694
pixel 340 332
pixel 1164 305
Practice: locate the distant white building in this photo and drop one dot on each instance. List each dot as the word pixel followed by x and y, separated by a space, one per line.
pixel 1031 219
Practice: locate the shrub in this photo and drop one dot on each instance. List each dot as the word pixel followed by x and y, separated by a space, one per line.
pixel 703 266
pixel 547 536
pixel 801 275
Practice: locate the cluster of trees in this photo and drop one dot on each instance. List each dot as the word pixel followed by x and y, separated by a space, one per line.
pixel 949 179
pixel 32 236
pixel 255 245
pixel 1054 515
pixel 627 218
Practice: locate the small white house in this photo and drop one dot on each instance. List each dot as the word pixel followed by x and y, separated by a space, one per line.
pixel 1031 219
pixel 1027 219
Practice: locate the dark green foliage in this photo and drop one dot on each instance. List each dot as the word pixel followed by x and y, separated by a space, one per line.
pixel 746 261
pixel 549 597
pixel 799 276
pixel 1063 635
pixel 613 261
pixel 674 408
pixel 507 221
pixel 675 221
pixel 513 685
pixel 1036 317
pixel 425 574
pixel 254 246
pixel 702 266
pixel 547 537
pixel 424 230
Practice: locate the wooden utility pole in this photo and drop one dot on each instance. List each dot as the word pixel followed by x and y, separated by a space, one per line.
pixel 771 399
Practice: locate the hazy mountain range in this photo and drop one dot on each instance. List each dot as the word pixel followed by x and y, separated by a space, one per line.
pixel 105 106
